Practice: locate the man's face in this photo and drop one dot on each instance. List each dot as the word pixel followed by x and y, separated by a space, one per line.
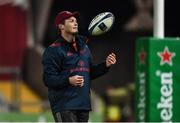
pixel 71 25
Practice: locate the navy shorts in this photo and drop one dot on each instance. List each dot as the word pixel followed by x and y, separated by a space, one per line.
pixel 71 116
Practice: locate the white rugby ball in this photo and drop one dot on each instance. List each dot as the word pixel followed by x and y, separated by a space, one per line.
pixel 101 23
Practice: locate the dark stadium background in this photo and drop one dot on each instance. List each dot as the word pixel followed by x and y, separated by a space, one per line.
pixel 25 31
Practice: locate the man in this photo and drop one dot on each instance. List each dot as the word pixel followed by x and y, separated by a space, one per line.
pixel 68 69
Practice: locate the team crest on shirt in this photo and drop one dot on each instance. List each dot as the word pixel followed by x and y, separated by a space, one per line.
pixel 81 63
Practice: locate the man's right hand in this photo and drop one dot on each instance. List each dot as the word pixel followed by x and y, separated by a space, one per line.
pixel 76 80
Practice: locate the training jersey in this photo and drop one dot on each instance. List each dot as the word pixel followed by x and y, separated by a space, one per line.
pixel 60 61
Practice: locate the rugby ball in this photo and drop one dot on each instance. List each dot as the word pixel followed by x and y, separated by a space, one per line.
pixel 101 23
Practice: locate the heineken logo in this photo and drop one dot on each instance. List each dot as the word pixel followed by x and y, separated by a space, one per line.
pixel 142 56
pixel 165 105
pixel 142 96
pixel 166 56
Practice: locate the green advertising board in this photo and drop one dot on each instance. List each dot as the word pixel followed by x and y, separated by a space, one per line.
pixel 157 79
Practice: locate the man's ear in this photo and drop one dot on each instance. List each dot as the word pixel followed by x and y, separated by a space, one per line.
pixel 61 26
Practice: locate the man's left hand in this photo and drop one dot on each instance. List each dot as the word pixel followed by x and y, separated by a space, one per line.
pixel 110 60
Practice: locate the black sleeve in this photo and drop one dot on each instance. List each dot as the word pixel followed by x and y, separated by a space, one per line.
pixel 98 70
pixel 53 77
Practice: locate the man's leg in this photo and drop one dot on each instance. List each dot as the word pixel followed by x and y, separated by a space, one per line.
pixel 65 116
pixel 82 115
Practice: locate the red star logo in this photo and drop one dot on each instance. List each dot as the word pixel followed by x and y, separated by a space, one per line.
pixel 142 56
pixel 166 56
